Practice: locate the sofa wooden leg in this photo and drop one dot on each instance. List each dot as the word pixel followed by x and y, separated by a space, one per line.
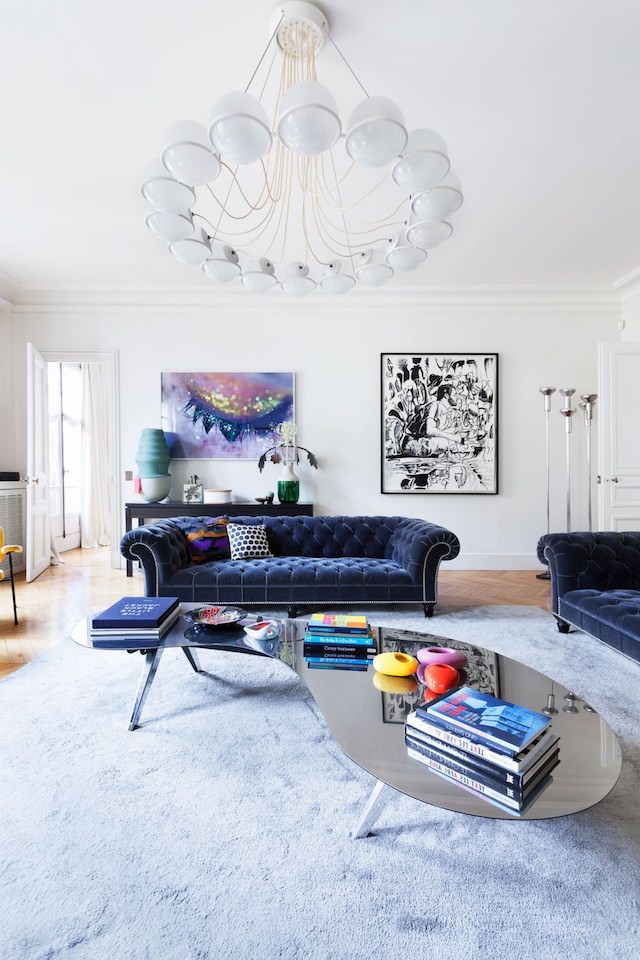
pixel 563 626
pixel 292 613
pixel 428 609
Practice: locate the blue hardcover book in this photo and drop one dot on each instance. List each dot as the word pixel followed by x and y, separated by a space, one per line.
pixel 496 721
pixel 360 651
pixel 328 665
pixel 351 661
pixel 353 640
pixel 137 613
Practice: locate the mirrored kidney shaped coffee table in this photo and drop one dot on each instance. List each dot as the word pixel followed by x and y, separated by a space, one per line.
pixel 367 723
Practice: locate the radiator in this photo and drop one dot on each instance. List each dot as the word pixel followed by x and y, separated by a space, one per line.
pixel 13 519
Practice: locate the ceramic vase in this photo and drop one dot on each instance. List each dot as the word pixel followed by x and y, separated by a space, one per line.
pixel 155 489
pixel 288 485
pixel 153 457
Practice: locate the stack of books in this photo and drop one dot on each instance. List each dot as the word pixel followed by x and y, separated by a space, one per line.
pixel 495 749
pixel 338 642
pixel 138 620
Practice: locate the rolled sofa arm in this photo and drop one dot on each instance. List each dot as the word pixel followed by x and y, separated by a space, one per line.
pixel 419 547
pixel 604 560
pixel 161 548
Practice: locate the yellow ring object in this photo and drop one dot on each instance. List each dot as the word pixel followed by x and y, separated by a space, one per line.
pixel 395 664
pixel 387 684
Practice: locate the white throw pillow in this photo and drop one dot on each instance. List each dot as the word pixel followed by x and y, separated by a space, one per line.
pixel 248 541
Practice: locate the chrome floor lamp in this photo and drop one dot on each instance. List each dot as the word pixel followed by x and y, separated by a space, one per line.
pixel 587 403
pixel 568 412
pixel 546 393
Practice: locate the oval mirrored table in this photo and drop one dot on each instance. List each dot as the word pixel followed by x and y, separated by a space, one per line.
pixel 368 723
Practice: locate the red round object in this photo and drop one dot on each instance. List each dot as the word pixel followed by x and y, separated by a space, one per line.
pixel 441 677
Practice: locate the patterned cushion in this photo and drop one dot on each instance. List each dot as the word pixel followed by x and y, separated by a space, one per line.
pixel 210 541
pixel 248 541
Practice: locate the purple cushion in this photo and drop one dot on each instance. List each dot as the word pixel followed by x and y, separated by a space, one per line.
pixel 210 541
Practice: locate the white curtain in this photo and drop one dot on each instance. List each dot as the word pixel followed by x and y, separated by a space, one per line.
pixel 95 515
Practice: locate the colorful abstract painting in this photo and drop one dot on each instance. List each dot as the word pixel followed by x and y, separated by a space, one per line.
pixel 218 416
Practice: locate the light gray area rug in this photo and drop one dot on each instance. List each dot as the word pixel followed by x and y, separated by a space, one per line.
pixel 220 828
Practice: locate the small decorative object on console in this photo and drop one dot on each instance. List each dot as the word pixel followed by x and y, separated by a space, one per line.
pixel 288 484
pixel 192 491
pixel 217 496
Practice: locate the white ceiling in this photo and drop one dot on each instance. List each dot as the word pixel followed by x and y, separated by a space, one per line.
pixel 538 103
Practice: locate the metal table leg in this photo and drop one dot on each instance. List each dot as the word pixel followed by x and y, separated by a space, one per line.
pixel 192 657
pixel 371 810
pixel 151 661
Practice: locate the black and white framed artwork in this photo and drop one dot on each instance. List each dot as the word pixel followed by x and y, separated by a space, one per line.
pixel 439 422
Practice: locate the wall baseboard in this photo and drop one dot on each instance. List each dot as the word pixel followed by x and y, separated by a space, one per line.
pixel 494 561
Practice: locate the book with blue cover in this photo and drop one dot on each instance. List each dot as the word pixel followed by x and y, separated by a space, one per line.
pixel 494 720
pixel 468 744
pixel 135 613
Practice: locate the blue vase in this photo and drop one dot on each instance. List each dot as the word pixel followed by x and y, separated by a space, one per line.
pixel 153 457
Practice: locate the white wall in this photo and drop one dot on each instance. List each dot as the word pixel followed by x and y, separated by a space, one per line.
pixel 334 349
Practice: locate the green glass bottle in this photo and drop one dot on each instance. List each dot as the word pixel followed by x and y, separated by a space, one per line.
pixel 288 486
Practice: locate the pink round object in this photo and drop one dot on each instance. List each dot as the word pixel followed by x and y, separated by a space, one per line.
pixel 430 655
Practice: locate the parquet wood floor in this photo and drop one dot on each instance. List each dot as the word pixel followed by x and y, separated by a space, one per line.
pixel 50 606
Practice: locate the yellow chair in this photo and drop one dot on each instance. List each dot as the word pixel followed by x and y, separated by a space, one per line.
pixel 7 550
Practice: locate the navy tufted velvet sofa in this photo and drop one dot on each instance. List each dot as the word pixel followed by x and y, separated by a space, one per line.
pixel 317 560
pixel 595 580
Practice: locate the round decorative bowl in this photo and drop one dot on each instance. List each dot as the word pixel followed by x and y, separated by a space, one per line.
pixel 213 616
pixel 454 658
pixel 395 664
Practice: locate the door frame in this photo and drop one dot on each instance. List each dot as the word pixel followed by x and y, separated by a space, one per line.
pixel 38 545
pixel 619 496
pixel 110 358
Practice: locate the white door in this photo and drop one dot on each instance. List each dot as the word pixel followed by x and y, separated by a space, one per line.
pixel 619 436
pixel 38 536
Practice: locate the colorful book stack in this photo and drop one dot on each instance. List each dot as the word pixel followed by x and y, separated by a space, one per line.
pixel 499 751
pixel 138 620
pixel 338 642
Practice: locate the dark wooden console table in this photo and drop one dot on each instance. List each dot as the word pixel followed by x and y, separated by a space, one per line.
pixel 142 511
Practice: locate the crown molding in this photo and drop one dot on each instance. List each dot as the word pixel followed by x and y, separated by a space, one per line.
pixel 9 287
pixel 588 298
pixel 629 288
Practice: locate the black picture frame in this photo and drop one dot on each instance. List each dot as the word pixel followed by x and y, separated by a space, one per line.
pixel 439 422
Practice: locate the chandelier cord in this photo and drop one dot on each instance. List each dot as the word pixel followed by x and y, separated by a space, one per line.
pixel 344 221
pixel 264 53
pixel 348 65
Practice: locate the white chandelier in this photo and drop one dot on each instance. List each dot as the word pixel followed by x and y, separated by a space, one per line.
pixel 286 198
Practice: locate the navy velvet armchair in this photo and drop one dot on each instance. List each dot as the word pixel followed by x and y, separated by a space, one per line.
pixel 595 580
